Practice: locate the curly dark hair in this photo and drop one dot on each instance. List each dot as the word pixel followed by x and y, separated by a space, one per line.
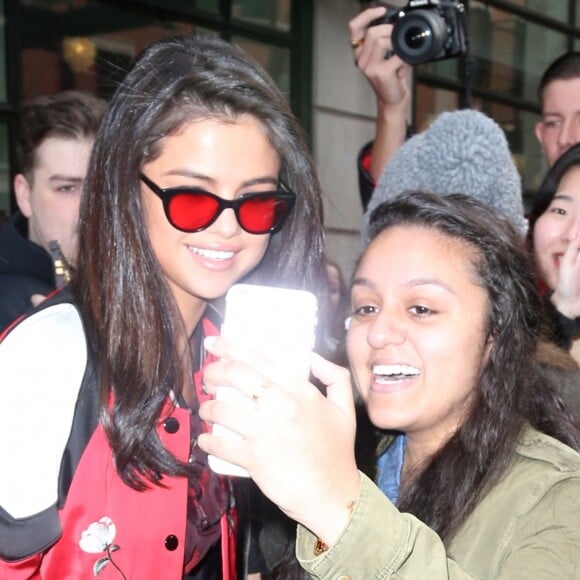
pixel 511 391
pixel 130 315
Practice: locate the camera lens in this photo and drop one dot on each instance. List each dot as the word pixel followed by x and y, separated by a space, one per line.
pixel 416 37
pixel 419 36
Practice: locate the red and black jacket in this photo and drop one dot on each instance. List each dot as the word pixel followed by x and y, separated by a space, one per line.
pixel 60 488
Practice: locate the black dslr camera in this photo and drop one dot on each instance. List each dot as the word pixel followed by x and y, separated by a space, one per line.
pixel 427 30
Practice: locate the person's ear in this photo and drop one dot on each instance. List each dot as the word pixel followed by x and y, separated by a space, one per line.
pixel 489 345
pixel 23 194
pixel 538 130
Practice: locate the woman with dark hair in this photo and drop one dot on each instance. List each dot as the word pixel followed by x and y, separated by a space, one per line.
pixel 478 469
pixel 554 237
pixel 199 178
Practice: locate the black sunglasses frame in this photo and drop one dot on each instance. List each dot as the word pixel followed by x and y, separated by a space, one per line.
pixel 166 194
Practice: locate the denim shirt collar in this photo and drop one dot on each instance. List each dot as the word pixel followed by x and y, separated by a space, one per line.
pixel 390 466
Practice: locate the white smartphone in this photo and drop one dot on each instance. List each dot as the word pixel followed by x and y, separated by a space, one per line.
pixel 279 322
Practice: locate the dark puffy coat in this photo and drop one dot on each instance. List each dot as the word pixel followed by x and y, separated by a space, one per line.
pixel 25 269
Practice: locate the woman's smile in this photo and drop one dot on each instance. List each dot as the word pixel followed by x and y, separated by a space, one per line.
pixel 393 377
pixel 228 160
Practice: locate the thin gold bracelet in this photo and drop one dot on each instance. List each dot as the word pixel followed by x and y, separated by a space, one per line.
pixel 320 547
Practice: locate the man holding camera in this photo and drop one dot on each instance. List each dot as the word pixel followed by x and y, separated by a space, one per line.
pixel 389 78
pixel 385 43
pixel 373 34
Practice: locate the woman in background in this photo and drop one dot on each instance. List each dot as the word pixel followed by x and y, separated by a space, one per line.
pixel 554 237
pixel 199 178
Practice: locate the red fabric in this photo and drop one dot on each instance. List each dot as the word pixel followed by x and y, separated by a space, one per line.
pixel 366 160
pixel 27 569
pixel 143 520
pixel 146 523
pixel 229 525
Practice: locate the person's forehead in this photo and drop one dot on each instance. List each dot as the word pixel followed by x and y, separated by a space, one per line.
pixel 571 179
pixel 61 141
pixel 562 96
pixel 63 151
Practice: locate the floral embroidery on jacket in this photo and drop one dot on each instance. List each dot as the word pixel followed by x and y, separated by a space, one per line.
pixel 97 538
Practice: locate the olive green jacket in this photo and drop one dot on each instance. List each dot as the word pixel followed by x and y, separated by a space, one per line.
pixel 526 527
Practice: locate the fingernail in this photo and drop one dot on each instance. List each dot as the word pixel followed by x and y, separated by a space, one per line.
pixel 209 341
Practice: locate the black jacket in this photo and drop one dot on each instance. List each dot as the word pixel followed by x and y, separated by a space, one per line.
pixel 25 269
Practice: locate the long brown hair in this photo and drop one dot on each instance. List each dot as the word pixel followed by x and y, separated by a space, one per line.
pixel 511 391
pixel 130 316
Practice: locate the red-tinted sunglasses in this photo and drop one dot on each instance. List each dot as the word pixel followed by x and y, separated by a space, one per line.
pixel 191 209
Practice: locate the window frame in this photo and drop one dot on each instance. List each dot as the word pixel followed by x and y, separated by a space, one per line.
pixel 297 40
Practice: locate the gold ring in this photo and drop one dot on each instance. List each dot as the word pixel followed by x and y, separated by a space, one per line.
pixel 356 43
pixel 260 390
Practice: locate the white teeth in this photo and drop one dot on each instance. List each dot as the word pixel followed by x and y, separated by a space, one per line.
pixel 401 371
pixel 212 254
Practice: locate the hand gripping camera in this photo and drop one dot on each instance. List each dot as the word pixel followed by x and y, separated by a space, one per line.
pixel 427 30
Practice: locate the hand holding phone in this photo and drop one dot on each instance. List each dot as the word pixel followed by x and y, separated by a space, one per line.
pixel 278 322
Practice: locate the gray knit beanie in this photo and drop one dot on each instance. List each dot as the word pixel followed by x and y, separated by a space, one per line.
pixel 460 152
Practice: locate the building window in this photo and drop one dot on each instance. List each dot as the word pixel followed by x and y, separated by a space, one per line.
pixel 272 13
pixel 90 44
